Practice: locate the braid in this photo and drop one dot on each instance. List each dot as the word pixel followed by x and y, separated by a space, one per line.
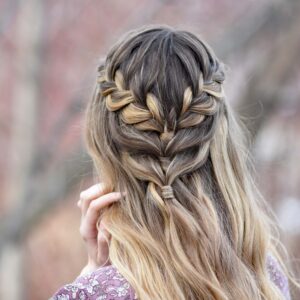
pixel 162 170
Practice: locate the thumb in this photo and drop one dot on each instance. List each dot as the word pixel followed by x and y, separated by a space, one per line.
pixel 103 246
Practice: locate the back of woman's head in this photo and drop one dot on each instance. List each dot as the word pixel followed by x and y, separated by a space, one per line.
pixel 160 128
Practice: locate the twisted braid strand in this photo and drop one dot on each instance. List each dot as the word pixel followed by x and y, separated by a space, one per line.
pixel 163 171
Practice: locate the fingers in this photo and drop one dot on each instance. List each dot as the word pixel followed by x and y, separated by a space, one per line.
pixel 93 210
pixel 92 201
pixel 88 227
pixel 90 194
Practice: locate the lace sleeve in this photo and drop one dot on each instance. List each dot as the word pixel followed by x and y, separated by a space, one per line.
pixel 105 283
pixel 277 276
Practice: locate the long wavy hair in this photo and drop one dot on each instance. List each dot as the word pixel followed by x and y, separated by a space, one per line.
pixel 192 224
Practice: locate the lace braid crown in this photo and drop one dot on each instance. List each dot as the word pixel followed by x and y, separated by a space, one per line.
pixel 149 117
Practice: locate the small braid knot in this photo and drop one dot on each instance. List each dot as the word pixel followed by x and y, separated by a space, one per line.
pixel 167 192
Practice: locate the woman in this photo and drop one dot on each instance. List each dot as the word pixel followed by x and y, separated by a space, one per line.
pixel 179 211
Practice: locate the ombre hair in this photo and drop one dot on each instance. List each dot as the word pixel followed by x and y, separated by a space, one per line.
pixel 192 224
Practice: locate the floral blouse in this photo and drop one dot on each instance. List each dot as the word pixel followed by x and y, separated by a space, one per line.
pixel 106 283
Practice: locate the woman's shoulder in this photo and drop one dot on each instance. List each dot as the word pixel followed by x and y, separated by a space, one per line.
pixel 104 283
pixel 277 275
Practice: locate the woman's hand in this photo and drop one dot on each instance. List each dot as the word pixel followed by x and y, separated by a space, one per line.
pixel 91 202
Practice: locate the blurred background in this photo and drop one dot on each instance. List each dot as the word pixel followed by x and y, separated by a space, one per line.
pixel 49 51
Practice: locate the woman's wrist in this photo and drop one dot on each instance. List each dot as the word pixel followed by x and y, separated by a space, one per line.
pixel 88 268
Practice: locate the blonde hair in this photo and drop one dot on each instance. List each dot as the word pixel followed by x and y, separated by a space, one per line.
pixel 192 224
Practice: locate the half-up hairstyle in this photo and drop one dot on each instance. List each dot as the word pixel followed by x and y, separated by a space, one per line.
pixel 160 128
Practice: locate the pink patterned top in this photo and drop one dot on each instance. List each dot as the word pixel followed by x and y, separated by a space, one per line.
pixel 107 283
